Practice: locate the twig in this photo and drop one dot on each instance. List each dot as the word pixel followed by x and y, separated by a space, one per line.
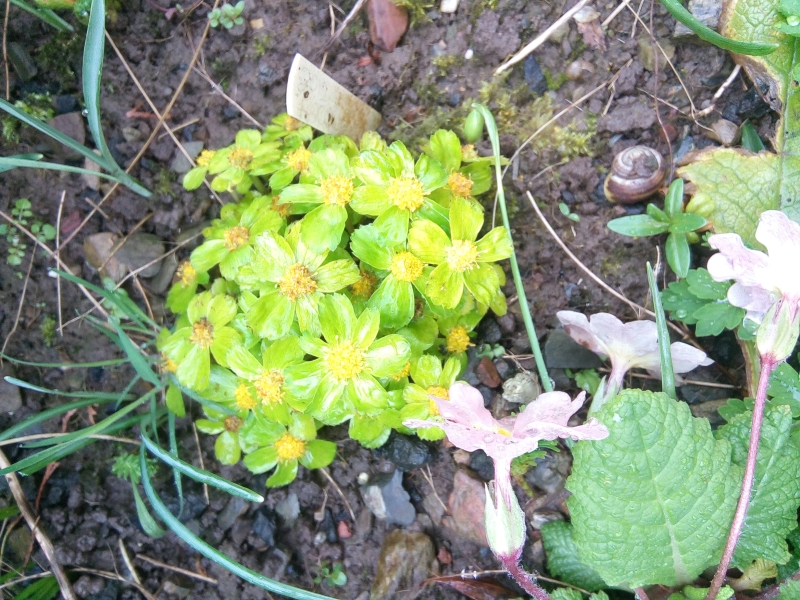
pixel 144 297
pixel 178 128
pixel 620 7
pixel 21 302
pixel 541 38
pixel 115 577
pixel 186 572
pixel 44 542
pixel 339 490
pixel 353 12
pixel 127 559
pixel 123 241
pixel 708 109
pixel 429 478
pixel 218 89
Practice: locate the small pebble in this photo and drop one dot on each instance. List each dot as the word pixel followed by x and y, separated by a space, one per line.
pixel 469 54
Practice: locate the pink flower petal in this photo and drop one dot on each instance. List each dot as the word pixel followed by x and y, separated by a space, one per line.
pixel 550 407
pixel 577 327
pixel 735 261
pixel 781 236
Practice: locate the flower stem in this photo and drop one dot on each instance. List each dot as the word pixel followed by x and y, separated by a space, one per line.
pixel 491 127
pixel 768 364
pixel 524 579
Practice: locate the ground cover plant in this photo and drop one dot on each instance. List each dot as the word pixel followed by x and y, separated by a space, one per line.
pixel 341 293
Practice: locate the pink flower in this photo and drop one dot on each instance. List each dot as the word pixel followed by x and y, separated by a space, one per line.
pixel 471 427
pixel 627 345
pixel 761 279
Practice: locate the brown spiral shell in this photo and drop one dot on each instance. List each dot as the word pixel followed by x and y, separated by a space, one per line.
pixel 636 173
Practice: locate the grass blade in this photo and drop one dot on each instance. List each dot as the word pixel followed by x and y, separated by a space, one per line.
pixel 211 553
pixel 146 520
pixel 46 15
pixel 9 162
pixel 199 474
pixel 667 373
pixel 210 404
pixel 97 396
pixel 93 429
pixel 12 432
pixel 132 351
pixel 491 128
pixel 173 449
pixel 3 168
pixel 113 362
pixel 93 51
pixel 41 589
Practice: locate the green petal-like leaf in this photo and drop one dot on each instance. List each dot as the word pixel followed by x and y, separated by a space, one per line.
pixel 428 241
pixel 337 317
pixel 366 328
pixel 445 148
pixel 370 200
pixel 482 282
pixel 335 275
pixel 322 228
pixel 388 355
pixel 193 371
pixel 466 219
pixel 208 254
pixel 273 256
pixel 262 460
pixel 175 401
pixel 194 178
pixel 226 448
pixel 284 474
pixel 659 481
pixel 430 173
pixel 319 454
pixel 394 300
pixel 367 395
pixel 495 245
pixel 445 287
pixel 271 316
pixel 370 247
pixel 392 224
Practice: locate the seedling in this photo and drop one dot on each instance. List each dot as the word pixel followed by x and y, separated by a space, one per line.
pixel 227 15
pixel 22 214
pixel 331 575
pixel 562 206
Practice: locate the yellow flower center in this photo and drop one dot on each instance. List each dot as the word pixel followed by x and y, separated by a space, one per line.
pixel 406 193
pixel 296 282
pixel 232 424
pixel 281 209
pixel 406 267
pixel 458 340
pixel 186 273
pixel 337 190
pixel 202 334
pixel 461 256
pixel 438 392
pixel 240 157
pixel 290 124
pixel 364 287
pixel 402 372
pixel 298 160
pixel 345 361
pixel 244 399
pixel 167 364
pixel 460 185
pixel 205 158
pixel 468 152
pixel 269 386
pixel 289 447
pixel 235 237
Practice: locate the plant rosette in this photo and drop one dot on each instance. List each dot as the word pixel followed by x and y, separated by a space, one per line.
pixel 431 380
pixel 284 448
pixel 204 332
pixel 341 380
pixel 187 280
pixel 229 445
pixel 460 260
pixel 232 165
pixel 464 179
pixel 394 298
pixel 284 127
pixel 397 189
pixel 297 279
pixel 229 240
pixel 262 384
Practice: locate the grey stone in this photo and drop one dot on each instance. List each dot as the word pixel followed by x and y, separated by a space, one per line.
pixel 705 11
pixel 724 132
pixel 406 560
pixel 522 388
pixel 162 281
pixel 289 508
pixel 480 462
pixel 534 76
pixel 22 61
pixel 180 164
pixel 629 114
pixel 407 452
pixel 649 52
pixel 265 525
pixel 562 352
pixel 388 500
pixel 10 396
pixel 540 517
pixel 132 134
pixel 550 472
pixel 234 509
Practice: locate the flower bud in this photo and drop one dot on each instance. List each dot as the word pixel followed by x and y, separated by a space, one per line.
pixel 505 525
pixel 473 126
pixel 778 332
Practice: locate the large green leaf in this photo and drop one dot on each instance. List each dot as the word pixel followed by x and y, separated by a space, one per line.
pixel 652 503
pixel 772 514
pixel 740 184
pixel 562 557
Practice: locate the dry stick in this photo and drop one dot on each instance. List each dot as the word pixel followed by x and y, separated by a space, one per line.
pixel 153 134
pixel 44 542
pixel 541 38
pixel 21 303
pixel 429 478
pixel 464 574
pixel 614 14
pixel 708 109
pixel 218 89
pixel 768 365
pixel 58 263
pixel 127 559
pixel 140 287
pixel 122 242
pixel 170 132
pixel 115 577
pixel 5 51
pixel 339 490
pixel 178 128
pixel 353 12
pixel 186 572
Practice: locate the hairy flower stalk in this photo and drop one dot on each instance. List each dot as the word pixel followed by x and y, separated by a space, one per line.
pixel 768 287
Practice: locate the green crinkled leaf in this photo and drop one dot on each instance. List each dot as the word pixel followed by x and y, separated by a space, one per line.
pixel 740 184
pixel 701 301
pixel 790 590
pixel 659 481
pixel 784 388
pixel 566 594
pixel 562 557
pixel 793 564
pixel 772 514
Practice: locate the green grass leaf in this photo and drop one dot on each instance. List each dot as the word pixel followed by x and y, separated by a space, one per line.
pixel 146 520
pixel 772 514
pixel 46 15
pixel 41 589
pixel 665 352
pixel 660 482
pixel 562 557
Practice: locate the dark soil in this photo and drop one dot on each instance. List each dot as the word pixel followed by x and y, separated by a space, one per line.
pixel 86 510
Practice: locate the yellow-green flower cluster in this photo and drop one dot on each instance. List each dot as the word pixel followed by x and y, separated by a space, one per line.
pixel 342 285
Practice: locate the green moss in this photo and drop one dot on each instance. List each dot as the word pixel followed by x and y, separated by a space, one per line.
pixel 416 9
pixel 554 81
pixel 48 330
pixel 260 45
pixel 56 56
pixel 445 62
pixel 39 106
pixel 164 181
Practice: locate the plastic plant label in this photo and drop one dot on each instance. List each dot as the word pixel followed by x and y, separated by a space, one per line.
pixel 314 98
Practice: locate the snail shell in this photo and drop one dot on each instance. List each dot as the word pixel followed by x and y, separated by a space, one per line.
pixel 636 173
